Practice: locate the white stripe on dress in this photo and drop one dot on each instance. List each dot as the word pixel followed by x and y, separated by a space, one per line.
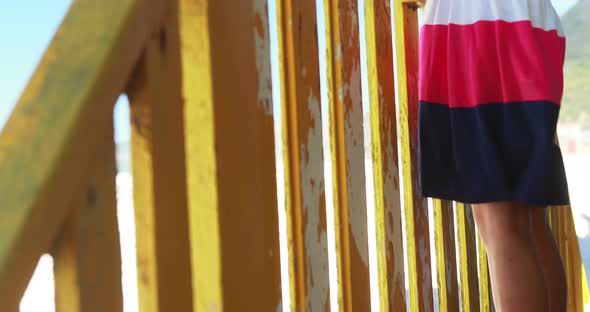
pixel 540 13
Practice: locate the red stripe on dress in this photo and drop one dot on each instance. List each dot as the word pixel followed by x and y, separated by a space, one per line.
pixel 490 62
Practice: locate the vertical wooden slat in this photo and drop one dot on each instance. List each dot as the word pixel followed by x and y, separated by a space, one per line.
pixel 87 253
pixel 446 259
pixel 576 262
pixel 561 220
pixel 584 281
pixel 230 155
pixel 416 211
pixel 556 218
pixel 159 178
pixel 565 250
pixel 570 264
pixel 303 155
pixel 484 278
pixel 562 225
pixel 347 153
pixel 467 258
pixel 388 214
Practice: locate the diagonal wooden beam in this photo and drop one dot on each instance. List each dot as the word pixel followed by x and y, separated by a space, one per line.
pixel 47 145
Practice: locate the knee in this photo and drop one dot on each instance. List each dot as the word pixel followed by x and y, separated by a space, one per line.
pixel 500 221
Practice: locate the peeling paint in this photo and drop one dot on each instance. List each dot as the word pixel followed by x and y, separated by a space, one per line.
pixel 354 136
pixel 340 95
pixel 313 188
pixel 262 46
pixel 338 52
pixel 279 307
pixel 353 18
pixel 393 229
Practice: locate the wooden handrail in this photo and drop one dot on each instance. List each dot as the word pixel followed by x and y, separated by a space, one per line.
pixel 48 145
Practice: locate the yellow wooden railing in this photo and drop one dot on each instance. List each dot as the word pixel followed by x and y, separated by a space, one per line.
pixel 198 77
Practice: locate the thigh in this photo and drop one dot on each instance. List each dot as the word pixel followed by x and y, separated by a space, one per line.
pixel 499 218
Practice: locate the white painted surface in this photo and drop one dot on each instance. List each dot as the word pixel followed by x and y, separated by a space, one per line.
pixel 462 12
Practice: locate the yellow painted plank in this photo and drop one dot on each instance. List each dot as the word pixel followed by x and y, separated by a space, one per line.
pixel 416 211
pixel 46 145
pixel 466 236
pixel 565 250
pixel 577 265
pixel 486 301
pixel 557 221
pixel 446 259
pixel 562 225
pixel 388 213
pixel 561 219
pixel 576 262
pixel 230 155
pixel 87 253
pixel 347 153
pixel 159 173
pixel 585 292
pixel 303 155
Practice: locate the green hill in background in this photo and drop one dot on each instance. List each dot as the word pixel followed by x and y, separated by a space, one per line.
pixel 577 27
pixel 576 99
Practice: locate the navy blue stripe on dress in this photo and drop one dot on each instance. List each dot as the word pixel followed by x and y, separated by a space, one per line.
pixel 492 152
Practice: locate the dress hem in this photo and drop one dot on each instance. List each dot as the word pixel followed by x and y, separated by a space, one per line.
pixel 481 200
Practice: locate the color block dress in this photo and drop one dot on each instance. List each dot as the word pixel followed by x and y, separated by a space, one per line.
pixel 491 83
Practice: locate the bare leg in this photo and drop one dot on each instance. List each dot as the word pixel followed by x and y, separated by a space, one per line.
pixel 553 267
pixel 517 274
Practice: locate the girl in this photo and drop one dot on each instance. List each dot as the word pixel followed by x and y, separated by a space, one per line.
pixel 491 82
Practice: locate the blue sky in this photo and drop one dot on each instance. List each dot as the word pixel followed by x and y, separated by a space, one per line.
pixel 27 27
